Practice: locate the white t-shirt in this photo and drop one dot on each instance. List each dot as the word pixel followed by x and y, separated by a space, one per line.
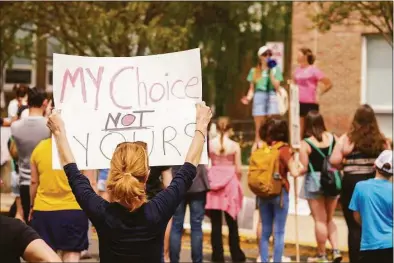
pixel 13 108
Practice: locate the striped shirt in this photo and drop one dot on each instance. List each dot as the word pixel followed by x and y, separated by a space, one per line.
pixel 359 163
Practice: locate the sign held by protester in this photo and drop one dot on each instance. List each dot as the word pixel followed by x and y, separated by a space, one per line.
pixel 295 136
pixel 108 100
pixel 278 54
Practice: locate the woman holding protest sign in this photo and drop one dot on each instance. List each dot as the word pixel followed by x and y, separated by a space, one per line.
pixel 130 228
pixel 307 77
pixel 264 81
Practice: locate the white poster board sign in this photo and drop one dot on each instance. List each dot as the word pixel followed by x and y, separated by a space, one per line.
pixel 302 204
pixel 295 136
pixel 108 100
pixel 278 54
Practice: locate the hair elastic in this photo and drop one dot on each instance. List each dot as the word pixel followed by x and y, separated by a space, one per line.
pixel 201 134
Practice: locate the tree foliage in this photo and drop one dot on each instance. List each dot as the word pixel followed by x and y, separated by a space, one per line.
pixel 228 33
pixel 376 14
pixel 12 19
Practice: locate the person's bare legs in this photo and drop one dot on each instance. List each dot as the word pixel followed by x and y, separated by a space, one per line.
pixel 167 242
pixel 319 215
pixel 331 205
pixel 68 256
pixel 258 122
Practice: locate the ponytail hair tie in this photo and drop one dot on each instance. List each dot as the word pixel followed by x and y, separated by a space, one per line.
pixel 127 174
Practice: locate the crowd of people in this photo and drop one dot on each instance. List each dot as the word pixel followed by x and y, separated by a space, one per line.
pixel 138 211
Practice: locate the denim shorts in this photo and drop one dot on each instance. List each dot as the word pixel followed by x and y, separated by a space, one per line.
pixel 102 180
pixel 101 185
pixel 265 103
pixel 309 190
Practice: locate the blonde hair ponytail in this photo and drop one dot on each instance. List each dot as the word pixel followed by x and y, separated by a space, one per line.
pixel 127 175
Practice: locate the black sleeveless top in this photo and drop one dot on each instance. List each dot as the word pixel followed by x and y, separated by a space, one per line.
pixel 316 159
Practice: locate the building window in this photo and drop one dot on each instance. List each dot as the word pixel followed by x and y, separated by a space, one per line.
pixel 377 81
pixel 18 76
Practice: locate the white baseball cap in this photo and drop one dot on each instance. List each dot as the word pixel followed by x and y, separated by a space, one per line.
pixel 262 50
pixel 385 161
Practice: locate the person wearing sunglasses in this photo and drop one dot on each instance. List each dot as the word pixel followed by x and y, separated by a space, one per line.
pixel 130 228
pixel 264 81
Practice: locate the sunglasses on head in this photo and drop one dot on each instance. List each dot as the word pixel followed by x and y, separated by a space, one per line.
pixel 139 143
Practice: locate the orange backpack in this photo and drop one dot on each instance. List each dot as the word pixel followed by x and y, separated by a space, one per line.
pixel 264 179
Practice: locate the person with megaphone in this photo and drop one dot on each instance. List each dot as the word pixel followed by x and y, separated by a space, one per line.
pixel 264 81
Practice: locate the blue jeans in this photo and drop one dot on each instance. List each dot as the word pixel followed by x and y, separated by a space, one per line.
pixel 273 216
pixel 197 212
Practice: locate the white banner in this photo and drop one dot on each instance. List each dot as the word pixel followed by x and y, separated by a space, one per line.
pixel 278 53
pixel 302 204
pixel 108 100
pixel 295 136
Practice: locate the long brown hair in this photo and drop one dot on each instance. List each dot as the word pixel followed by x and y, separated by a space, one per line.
pixel 223 126
pixel 314 125
pixel 128 173
pixel 310 58
pixel 365 132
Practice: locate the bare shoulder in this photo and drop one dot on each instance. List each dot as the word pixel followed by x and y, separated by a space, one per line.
pixel 305 146
pixel 344 139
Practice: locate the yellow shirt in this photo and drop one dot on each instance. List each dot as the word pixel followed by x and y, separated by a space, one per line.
pixel 54 192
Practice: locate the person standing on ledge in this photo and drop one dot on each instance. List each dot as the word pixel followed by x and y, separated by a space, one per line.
pixel 264 80
pixel 130 228
pixel 307 77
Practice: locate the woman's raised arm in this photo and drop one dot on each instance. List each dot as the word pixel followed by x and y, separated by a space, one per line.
pixel 91 203
pixel 166 202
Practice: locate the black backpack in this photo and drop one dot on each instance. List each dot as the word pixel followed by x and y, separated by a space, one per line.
pixel 330 178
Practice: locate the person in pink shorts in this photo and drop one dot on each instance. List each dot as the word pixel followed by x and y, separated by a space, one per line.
pixel 307 77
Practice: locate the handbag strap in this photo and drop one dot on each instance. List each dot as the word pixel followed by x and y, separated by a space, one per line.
pixel 312 173
pixel 312 170
pixel 331 145
pixel 315 147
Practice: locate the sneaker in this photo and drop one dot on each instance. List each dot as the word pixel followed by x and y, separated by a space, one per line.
pixel 284 259
pixel 336 256
pixel 318 259
pixel 85 255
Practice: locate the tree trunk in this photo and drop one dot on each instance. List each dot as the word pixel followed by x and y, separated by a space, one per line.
pixel 41 60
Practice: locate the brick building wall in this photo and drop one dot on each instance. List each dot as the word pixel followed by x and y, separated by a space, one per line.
pixel 338 54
